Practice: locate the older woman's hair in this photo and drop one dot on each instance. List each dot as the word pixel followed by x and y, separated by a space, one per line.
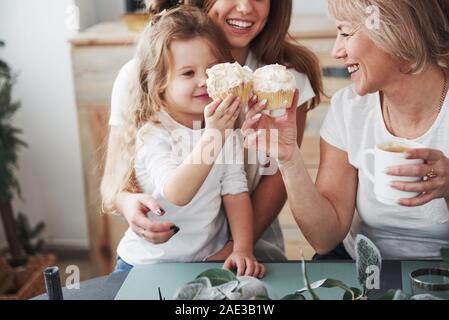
pixel 414 31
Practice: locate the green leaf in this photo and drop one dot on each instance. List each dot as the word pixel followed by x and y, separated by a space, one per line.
pixel 261 298
pixel 356 294
pixel 294 296
pixel 37 229
pixel 307 282
pixel 189 291
pixel 228 287
pixel 445 255
pixel 250 287
pixel 331 283
pixel 389 295
pixel 393 294
pixel 367 255
pixel 218 276
pixel 203 280
pixel 425 296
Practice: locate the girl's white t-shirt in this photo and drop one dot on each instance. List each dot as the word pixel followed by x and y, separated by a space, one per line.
pixel 355 124
pixel 122 97
pixel 203 231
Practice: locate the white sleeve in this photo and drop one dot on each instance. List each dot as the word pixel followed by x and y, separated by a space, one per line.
pixel 154 159
pixel 306 92
pixel 333 129
pixel 234 179
pixel 121 97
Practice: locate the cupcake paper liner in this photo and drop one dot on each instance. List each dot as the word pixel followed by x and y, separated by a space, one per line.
pixel 277 100
pixel 243 91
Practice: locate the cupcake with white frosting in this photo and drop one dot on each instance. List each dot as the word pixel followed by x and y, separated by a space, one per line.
pixel 226 78
pixel 275 84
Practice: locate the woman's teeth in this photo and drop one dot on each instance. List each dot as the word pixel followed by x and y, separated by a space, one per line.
pixel 354 68
pixel 239 24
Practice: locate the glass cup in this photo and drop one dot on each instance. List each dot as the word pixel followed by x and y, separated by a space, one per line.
pixel 434 281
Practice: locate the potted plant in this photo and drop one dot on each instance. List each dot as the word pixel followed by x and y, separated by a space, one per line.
pixel 21 267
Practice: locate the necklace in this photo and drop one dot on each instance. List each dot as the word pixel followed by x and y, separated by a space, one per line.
pixel 440 106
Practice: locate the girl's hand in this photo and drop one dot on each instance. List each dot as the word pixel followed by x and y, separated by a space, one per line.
pixel 435 171
pixel 259 128
pixel 245 263
pixel 221 115
pixel 135 208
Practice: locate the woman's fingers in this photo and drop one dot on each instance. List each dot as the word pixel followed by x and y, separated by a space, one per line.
pixel 150 203
pixel 425 154
pixel 157 237
pixel 418 201
pixel 154 231
pixel 291 112
pixel 423 186
pixel 257 108
pixel 250 141
pixel 251 123
pixel 418 170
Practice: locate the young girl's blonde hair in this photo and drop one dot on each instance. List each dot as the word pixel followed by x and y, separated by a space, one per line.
pixel 414 31
pixel 154 63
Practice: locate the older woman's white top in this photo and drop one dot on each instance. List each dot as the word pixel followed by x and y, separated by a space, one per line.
pixel 354 124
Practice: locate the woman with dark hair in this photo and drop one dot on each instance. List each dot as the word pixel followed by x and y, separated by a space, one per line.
pixel 257 35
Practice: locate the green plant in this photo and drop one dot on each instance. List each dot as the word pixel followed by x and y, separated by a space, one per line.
pixel 28 235
pixel 220 284
pixel 18 233
pixel 9 147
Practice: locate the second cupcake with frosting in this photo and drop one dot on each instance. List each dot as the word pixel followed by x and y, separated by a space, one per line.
pixel 275 84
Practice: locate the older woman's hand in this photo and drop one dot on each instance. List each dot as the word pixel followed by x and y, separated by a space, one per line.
pixel 435 171
pixel 258 125
pixel 135 208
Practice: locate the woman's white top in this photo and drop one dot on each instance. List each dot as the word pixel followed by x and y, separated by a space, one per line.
pixel 122 97
pixel 161 149
pixel 354 124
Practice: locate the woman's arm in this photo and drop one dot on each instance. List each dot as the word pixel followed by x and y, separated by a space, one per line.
pixel 323 211
pixel 134 207
pixel 270 195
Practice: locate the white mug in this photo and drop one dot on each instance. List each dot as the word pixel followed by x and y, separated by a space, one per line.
pixel 384 159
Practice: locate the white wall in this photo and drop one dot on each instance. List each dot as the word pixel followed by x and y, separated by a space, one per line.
pixel 309 6
pixel 50 169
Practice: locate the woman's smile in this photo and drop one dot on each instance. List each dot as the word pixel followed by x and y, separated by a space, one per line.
pixel 239 26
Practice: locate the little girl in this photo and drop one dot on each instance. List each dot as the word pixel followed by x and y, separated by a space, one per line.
pixel 174 113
